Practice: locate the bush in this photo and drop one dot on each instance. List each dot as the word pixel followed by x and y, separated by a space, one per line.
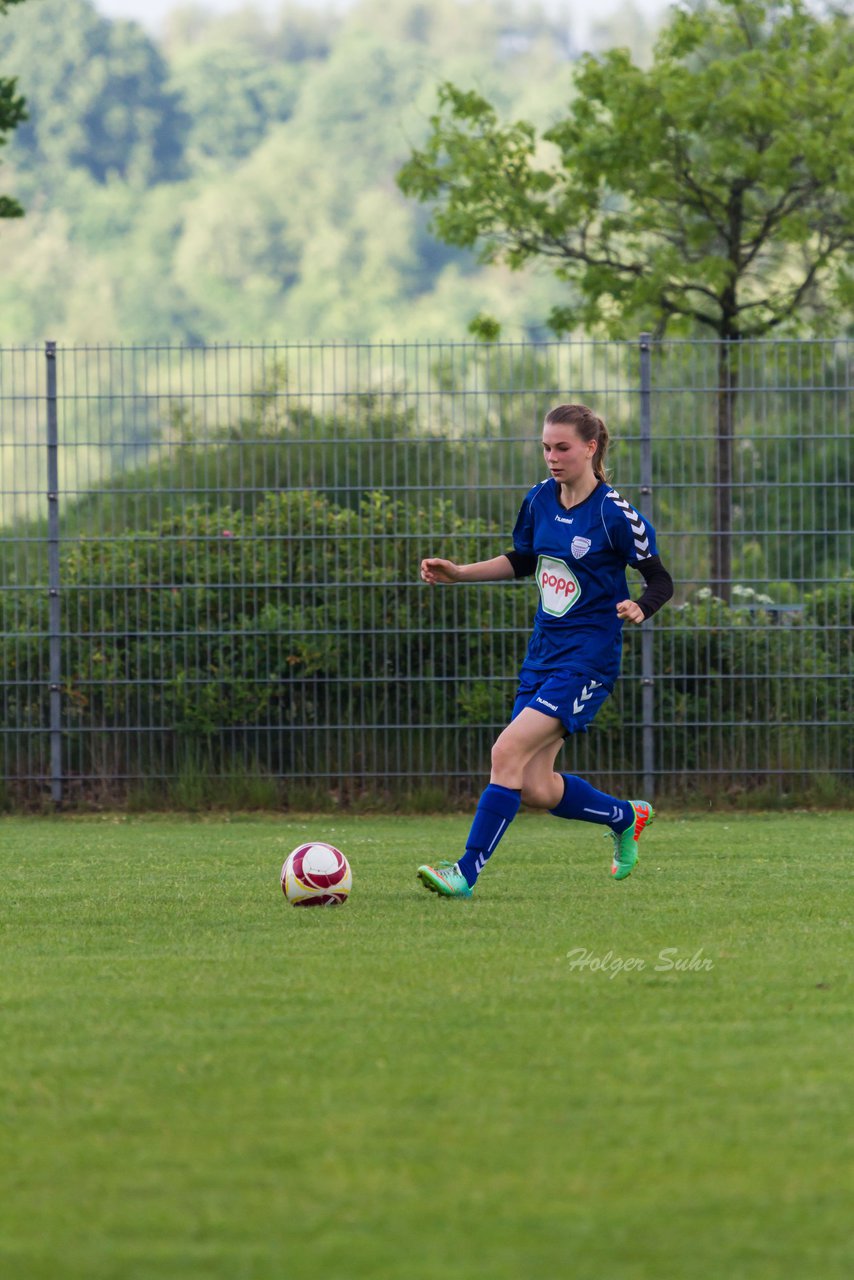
pixel 295 641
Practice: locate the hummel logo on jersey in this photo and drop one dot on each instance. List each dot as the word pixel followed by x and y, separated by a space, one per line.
pixel 580 546
pixel 551 706
pixel 637 525
pixel 564 519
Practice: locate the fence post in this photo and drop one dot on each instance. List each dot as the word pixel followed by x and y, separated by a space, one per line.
pixel 54 602
pixel 647 636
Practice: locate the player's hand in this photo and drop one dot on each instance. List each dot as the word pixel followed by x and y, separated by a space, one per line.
pixel 440 571
pixel 629 611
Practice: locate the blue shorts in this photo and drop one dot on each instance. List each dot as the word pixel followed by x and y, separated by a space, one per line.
pixel 569 697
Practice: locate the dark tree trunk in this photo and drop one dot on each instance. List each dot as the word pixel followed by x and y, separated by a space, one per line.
pixel 721 558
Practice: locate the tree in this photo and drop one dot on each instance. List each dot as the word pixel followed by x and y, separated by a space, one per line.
pixel 714 190
pixel 12 112
pixel 233 97
pixel 98 95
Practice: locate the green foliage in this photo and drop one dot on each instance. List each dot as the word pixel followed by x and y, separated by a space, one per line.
pixel 12 113
pixel 728 671
pixel 218 621
pixel 386 436
pixel 219 634
pixel 236 180
pixel 97 94
pixel 485 327
pixel 734 211
pixel 233 97
pixel 713 188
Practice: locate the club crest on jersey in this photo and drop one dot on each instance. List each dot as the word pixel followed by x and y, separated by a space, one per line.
pixel 559 587
pixel 579 547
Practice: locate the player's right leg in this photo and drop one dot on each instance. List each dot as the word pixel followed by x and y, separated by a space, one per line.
pixel 523 738
pixel 626 841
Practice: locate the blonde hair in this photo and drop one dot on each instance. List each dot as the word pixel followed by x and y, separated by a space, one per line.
pixel 589 427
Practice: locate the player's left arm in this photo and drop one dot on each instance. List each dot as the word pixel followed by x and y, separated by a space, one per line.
pixel 658 590
pixel 631 535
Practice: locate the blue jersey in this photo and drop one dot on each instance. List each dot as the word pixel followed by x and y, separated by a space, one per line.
pixel 581 560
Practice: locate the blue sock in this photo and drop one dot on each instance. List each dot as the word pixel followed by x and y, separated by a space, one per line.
pixel 585 803
pixel 496 809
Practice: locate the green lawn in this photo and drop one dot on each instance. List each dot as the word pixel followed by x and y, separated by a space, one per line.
pixel 200 1081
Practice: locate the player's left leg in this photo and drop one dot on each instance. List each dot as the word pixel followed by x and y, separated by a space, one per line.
pixel 542 786
pixel 626 841
pixel 566 796
pixel 578 699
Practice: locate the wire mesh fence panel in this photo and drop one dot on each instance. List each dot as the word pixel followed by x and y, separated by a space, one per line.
pixel 24 674
pixel 754 673
pixel 240 532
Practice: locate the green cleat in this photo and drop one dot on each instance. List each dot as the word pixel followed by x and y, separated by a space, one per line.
pixel 444 879
pixel 626 842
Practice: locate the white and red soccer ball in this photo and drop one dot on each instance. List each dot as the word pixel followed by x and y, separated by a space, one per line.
pixel 316 875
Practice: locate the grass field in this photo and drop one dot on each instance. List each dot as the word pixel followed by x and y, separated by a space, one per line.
pixel 563 1077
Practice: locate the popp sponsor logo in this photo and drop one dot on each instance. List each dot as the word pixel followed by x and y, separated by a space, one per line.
pixel 559 587
pixel 563 586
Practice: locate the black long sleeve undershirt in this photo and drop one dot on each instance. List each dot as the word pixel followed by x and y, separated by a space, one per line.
pixel 659 584
pixel 523 565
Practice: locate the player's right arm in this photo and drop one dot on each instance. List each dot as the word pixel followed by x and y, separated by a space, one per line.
pixel 442 571
pixel 518 563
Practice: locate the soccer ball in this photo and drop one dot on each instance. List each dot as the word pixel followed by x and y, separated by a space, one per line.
pixel 316 875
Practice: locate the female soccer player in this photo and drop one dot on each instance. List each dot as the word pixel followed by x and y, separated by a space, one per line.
pixel 578 535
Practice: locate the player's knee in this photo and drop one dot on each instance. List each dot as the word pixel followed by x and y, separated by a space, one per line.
pixel 536 794
pixel 502 754
pixel 506 765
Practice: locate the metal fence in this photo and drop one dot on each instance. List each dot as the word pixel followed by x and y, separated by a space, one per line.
pixel 209 566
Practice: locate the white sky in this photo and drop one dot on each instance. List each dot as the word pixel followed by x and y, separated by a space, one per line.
pixel 150 13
